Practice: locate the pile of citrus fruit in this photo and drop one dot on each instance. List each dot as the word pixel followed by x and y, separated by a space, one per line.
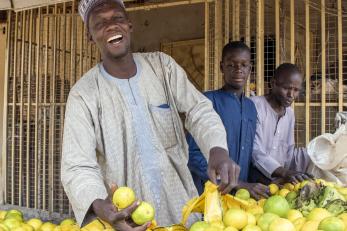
pixel 13 220
pixel 123 197
pixel 306 206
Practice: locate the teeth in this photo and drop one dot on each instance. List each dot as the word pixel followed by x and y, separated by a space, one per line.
pixel 114 38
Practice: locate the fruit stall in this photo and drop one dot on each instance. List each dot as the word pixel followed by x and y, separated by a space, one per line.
pixel 44 50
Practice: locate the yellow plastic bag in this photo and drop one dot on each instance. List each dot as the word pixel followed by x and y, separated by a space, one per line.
pixel 212 204
pixel 171 228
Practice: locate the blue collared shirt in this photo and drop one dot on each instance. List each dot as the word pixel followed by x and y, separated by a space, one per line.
pixel 239 117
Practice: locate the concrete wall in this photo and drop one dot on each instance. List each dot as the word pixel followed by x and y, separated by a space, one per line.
pixel 155 26
pixel 2 80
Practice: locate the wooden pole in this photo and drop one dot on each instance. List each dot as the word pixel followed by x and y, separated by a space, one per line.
pixel 323 65
pixel 307 74
pixel 37 93
pixel 292 31
pixel 340 51
pixel 260 47
pixel 207 46
pixel 277 25
pixel 5 117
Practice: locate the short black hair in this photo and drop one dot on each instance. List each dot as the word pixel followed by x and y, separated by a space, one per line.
pixel 234 45
pixel 289 68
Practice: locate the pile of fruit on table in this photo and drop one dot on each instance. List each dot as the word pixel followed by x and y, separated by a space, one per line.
pixel 12 220
pixel 306 206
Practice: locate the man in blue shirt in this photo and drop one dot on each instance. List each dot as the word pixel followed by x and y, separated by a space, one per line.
pixel 239 117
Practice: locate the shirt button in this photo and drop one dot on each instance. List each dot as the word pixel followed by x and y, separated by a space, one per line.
pixel 243 148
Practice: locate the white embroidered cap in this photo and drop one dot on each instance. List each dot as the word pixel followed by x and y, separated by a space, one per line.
pixel 85 6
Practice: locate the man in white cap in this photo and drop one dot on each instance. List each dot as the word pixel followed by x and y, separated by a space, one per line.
pixel 122 126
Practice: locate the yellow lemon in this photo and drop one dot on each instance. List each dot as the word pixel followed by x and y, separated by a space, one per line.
pixel 343 217
pixel 261 202
pixel 4 227
pixel 251 219
pixel 19 229
pixel 289 186
pixel 297 187
pixel 294 214
pixel 229 228
pixel 283 192
pixel 199 226
pixel 213 228
pixel 318 214
pixel 218 224
pixel 47 226
pixel 95 225
pixel 28 227
pixel 298 223
pixel 236 218
pixel 12 223
pixel 251 228
pixel 123 197
pixel 68 221
pixel 35 223
pixel 343 191
pixel 277 205
pixel 143 213
pixel 2 214
pixel 332 224
pixel 281 224
pixel 273 189
pixel 310 226
pixel 255 210
pixel 265 220
pixel 242 194
pixel 252 202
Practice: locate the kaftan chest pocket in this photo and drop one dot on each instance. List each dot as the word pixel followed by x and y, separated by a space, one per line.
pixel 164 127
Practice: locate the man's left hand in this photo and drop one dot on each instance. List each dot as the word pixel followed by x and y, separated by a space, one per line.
pixel 220 164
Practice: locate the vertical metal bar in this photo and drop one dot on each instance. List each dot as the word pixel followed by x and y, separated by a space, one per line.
pixel 218 41
pixel 233 20
pixel 52 111
pixel 307 64
pixel 292 31
pixel 340 57
pixel 207 45
pixel 62 100
pixel 14 98
pixel 72 76
pixel 72 47
pixel 237 19
pixel 260 47
pixel 28 112
pixel 45 112
pixel 20 190
pixel 5 116
pixel 277 25
pixel 37 93
pixel 226 21
pixel 248 37
pixel 323 64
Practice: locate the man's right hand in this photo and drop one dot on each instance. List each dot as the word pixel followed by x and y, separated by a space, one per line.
pixel 257 190
pixel 291 176
pixel 105 210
